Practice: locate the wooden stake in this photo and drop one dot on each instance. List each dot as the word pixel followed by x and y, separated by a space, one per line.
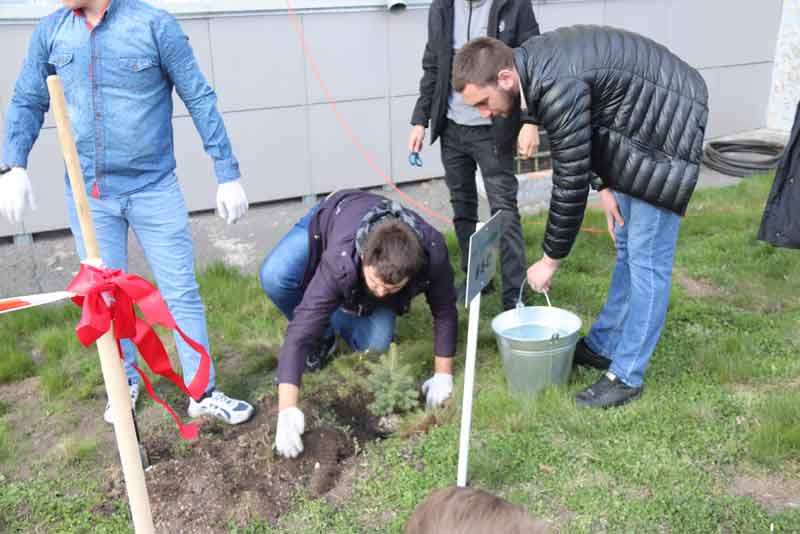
pixel 110 362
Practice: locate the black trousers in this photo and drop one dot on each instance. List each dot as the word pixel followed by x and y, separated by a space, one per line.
pixel 463 149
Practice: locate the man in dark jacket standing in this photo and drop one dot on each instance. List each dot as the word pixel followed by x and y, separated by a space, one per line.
pixel 780 225
pixel 349 267
pixel 624 108
pixel 467 139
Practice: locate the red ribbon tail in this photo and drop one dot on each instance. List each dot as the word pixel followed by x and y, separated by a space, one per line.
pixel 197 388
pixel 188 431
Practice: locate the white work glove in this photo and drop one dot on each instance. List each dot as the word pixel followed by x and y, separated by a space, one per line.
pixel 15 194
pixel 437 388
pixel 231 201
pixel 291 425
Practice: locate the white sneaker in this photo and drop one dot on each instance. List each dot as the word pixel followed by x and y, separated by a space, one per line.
pixel 232 411
pixel 133 390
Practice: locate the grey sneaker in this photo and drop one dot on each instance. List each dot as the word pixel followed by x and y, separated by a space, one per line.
pixel 219 405
pixel 133 390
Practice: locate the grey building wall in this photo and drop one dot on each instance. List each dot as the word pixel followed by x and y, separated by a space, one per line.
pixel 291 142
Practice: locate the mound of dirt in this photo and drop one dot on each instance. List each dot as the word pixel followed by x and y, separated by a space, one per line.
pixel 232 476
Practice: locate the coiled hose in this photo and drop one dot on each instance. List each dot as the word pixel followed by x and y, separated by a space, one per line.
pixel 719 155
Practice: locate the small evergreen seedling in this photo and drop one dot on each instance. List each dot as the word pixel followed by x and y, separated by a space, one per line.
pixel 392 385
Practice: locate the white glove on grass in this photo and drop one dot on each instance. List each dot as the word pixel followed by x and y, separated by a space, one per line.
pixel 437 388
pixel 291 425
pixel 231 201
pixel 15 194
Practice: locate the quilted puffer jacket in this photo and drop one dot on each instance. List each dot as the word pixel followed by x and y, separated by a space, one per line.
pixel 617 104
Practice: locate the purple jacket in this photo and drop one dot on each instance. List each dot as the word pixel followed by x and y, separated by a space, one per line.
pixel 333 279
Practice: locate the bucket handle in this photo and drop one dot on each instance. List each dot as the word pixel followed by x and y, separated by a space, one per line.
pixel 520 305
pixel 522 290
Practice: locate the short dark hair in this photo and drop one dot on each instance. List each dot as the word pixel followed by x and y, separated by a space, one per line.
pixel 471 511
pixel 394 250
pixel 479 61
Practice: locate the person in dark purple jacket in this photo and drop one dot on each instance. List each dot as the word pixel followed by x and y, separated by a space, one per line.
pixel 348 268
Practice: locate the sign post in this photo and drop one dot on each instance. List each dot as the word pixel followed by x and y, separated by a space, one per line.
pixel 483 251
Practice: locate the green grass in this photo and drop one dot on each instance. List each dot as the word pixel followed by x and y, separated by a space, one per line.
pixel 6 443
pixel 15 365
pixel 721 397
pixel 58 506
pixel 777 436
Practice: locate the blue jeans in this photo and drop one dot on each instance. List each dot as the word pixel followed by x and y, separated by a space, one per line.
pixel 159 220
pixel 282 276
pixel 630 324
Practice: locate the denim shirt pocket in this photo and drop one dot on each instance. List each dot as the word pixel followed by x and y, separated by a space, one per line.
pixel 61 60
pixel 138 72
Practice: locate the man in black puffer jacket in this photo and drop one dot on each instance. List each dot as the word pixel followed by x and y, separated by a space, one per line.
pixel 623 108
pixel 469 140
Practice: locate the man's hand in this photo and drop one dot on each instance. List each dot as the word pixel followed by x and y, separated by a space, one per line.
pixel 610 208
pixel 437 388
pixel 528 141
pixel 540 274
pixel 291 425
pixel 416 138
pixel 231 201
pixel 15 194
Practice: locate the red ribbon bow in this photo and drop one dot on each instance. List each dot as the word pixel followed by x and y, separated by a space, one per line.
pixel 125 290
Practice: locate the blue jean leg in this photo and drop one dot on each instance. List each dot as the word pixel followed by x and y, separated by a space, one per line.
pixel 160 221
pixel 606 331
pixel 283 269
pixel 282 274
pixel 111 230
pixel 373 332
pixel 652 238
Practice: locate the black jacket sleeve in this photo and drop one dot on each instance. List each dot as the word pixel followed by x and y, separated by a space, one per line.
pixel 441 297
pixel 311 318
pixel 565 112
pixel 527 26
pixel 430 70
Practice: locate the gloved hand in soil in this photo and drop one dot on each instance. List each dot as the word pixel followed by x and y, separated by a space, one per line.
pixel 437 388
pixel 231 201
pixel 15 194
pixel 291 425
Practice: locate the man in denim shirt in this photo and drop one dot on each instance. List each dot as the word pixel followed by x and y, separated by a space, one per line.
pixel 118 61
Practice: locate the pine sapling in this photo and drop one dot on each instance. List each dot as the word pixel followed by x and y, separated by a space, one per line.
pixel 392 385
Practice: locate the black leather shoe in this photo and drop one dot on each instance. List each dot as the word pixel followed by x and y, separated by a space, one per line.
pixel 606 393
pixel 588 358
pixel 322 356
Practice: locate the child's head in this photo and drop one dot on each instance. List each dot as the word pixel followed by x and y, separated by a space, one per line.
pixel 455 510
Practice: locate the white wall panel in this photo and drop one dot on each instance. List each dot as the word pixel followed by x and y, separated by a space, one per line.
pixel 335 162
pixel 554 15
pixel 46 170
pixel 646 17
pixel 713 33
pixel 258 63
pixel 350 52
pixel 737 98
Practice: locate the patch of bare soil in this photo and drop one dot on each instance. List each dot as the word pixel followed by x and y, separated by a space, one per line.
pixel 232 476
pixel 693 287
pixel 775 492
pixel 38 434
